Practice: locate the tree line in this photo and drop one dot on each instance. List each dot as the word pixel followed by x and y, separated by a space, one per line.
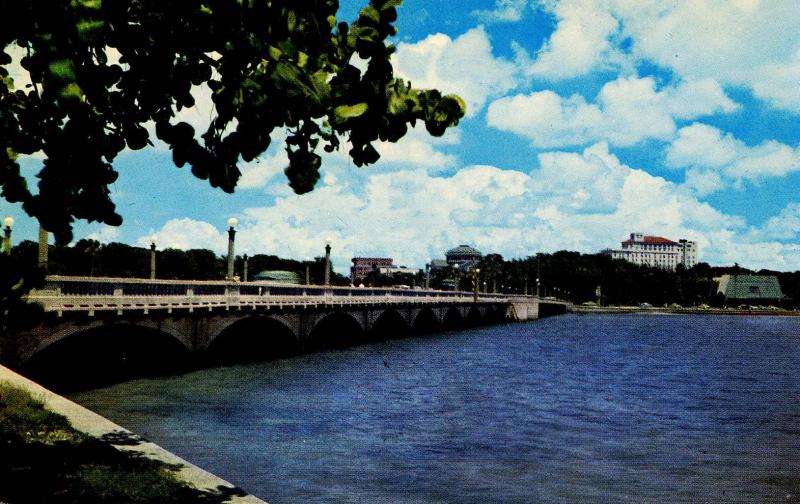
pixel 93 259
pixel 569 275
pixel 599 278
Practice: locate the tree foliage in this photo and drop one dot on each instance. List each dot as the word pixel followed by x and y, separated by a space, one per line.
pixel 106 74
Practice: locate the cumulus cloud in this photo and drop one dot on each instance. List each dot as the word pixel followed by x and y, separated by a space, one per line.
pixel 106 234
pixel 584 201
pixel 580 43
pixel 504 11
pixel 751 43
pixel 627 111
pixel 465 66
pixel 711 152
pixel 783 226
pixel 187 234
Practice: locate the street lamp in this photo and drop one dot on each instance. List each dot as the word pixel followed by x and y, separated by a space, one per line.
pixel 231 236
pixel 244 270
pixel 43 248
pixel 8 222
pixel 475 272
pixel 153 257
pixel 428 273
pixel 308 270
pixel 327 261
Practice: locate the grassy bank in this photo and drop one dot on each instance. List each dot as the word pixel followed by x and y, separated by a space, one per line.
pixel 43 459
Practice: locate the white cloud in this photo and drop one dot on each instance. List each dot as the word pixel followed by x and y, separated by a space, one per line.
pixel 700 146
pixel 187 234
pixel 418 149
pixel 584 201
pixel 749 43
pixel 464 66
pixel 580 43
pixel 504 11
pixel 106 234
pixel 703 182
pixel 784 226
pixel 627 111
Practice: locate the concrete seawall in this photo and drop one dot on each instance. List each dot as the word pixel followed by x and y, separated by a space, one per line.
pixel 122 439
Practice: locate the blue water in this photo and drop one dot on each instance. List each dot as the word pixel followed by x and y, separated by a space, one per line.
pixel 568 409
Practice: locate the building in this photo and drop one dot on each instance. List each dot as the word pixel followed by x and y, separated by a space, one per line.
pixel 750 289
pixel 284 277
pixel 656 251
pixel 395 270
pixel 437 264
pixel 463 257
pixel 362 266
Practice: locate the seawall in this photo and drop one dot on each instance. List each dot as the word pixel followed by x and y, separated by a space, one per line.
pixel 122 439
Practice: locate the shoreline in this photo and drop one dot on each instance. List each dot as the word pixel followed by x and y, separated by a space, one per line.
pixel 103 429
pixel 584 310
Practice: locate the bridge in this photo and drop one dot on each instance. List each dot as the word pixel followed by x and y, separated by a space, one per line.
pixel 215 316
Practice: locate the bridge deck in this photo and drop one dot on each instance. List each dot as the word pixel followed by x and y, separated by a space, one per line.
pixel 82 294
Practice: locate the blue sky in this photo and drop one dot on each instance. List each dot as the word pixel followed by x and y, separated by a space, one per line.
pixel 587 120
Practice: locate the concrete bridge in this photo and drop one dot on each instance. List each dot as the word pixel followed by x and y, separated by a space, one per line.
pixel 262 317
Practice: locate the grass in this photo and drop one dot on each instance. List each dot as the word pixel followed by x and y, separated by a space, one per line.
pixel 43 459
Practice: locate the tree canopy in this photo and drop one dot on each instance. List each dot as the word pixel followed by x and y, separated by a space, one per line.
pixel 107 74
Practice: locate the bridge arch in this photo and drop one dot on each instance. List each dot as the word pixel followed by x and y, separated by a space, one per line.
pixel 336 330
pixel 101 353
pixel 76 330
pixel 426 321
pixel 250 339
pixel 474 317
pixel 389 324
pixel 453 319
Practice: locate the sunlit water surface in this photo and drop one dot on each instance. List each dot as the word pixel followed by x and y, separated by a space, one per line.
pixel 567 409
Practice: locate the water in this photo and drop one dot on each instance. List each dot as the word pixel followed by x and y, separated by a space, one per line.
pixel 567 409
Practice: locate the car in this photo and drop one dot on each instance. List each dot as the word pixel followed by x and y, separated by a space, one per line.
pixel 645 305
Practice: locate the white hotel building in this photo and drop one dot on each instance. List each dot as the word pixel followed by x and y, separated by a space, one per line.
pixel 656 251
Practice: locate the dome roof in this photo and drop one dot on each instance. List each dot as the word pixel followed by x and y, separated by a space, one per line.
pixel 278 276
pixel 464 250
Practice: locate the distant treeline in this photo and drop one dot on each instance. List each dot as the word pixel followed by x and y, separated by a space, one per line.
pixel 564 274
pixel 581 276
pixel 91 258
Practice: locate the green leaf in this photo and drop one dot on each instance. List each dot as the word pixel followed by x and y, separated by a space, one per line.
pixel 388 4
pixel 72 91
pixel 63 69
pixel 343 113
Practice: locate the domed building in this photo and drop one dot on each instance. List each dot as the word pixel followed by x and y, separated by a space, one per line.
pixel 463 257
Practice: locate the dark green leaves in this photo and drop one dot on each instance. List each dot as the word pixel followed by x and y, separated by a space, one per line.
pixel 103 71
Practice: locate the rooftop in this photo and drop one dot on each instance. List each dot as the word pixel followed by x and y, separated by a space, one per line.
pixel 464 249
pixel 750 287
pixel 659 240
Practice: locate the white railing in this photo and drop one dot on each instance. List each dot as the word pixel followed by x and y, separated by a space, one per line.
pixel 83 294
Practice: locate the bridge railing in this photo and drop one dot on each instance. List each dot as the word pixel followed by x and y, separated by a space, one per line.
pixel 62 293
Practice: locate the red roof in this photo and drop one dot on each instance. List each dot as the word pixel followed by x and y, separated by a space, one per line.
pixel 653 239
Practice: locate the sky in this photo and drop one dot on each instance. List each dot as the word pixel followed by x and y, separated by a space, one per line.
pixel 586 121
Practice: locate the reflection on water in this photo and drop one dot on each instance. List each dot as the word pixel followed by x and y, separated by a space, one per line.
pixel 567 409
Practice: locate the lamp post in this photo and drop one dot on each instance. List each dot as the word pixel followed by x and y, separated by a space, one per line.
pixel 153 257
pixel 8 222
pixel 538 287
pixel 231 236
pixel 327 261
pixel 475 272
pixel 308 270
pixel 43 248
pixel 244 270
pixel 428 273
